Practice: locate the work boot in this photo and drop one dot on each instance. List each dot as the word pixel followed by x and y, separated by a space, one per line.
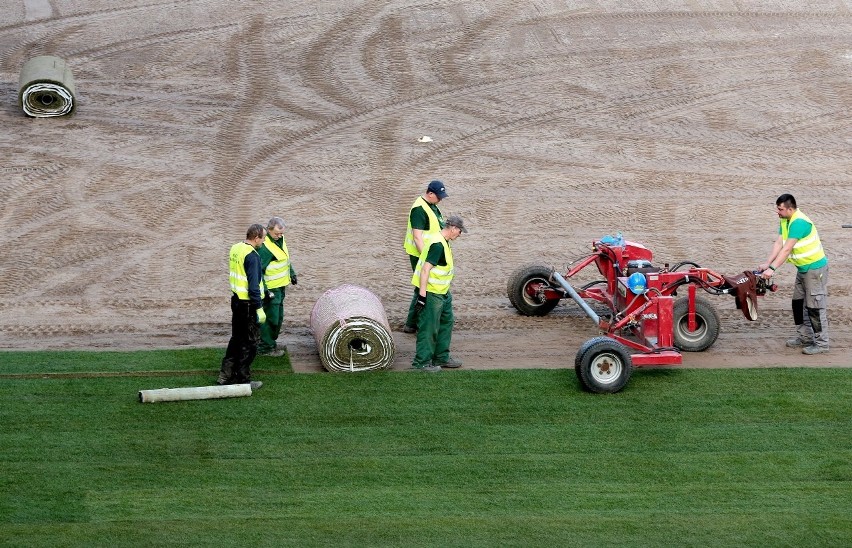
pixel 814 349
pixel 255 385
pixel 223 379
pixel 796 342
pixel 275 353
pixel 409 329
pixel 427 368
pixel 451 363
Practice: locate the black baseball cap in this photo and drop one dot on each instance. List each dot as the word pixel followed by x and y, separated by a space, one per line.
pixel 437 187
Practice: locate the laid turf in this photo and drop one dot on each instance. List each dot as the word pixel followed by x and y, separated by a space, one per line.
pixel 759 457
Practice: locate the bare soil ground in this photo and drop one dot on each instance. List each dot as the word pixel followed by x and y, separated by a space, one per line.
pixel 553 124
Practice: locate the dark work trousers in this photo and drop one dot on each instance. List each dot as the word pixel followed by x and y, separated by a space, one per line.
pixel 434 331
pixel 270 330
pixel 242 348
pixel 411 319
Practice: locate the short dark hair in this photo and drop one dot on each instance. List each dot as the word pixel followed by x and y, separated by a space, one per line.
pixel 787 200
pixel 255 231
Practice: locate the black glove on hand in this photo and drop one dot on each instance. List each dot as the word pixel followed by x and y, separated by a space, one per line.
pixel 420 304
pixel 294 280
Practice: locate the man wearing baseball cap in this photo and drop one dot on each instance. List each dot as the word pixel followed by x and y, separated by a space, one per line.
pixel 424 218
pixel 432 277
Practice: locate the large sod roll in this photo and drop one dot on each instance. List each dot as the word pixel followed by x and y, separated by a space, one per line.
pixel 195 393
pixel 351 330
pixel 46 87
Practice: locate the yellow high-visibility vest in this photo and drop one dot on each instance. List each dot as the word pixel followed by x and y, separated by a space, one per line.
pixel 236 263
pixel 277 273
pixel 440 277
pixel 808 250
pixel 434 226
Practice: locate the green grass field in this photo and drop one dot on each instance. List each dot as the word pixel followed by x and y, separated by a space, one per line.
pixel 681 457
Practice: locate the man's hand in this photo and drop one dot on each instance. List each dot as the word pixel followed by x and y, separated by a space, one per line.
pixel 261 316
pixel 767 273
pixel 420 304
pixel 294 280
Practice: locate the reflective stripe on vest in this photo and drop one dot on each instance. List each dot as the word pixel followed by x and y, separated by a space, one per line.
pixel 440 277
pixel 237 266
pixel 277 273
pixel 806 251
pixel 434 226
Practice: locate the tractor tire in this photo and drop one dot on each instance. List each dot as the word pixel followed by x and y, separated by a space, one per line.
pixel 707 325
pixel 603 365
pixel 517 290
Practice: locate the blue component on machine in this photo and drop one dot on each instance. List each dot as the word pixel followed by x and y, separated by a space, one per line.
pixel 615 241
pixel 636 283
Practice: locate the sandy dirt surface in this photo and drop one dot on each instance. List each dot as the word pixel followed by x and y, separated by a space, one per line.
pixel 552 124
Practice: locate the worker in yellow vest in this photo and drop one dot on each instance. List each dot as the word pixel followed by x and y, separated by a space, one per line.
pixel 432 277
pixel 278 273
pixel 798 243
pixel 246 309
pixel 424 218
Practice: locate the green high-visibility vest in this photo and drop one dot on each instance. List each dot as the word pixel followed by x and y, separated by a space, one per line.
pixel 434 226
pixel 440 277
pixel 808 250
pixel 237 266
pixel 277 273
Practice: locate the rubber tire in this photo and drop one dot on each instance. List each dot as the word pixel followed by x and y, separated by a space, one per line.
pixel 517 284
pixel 708 325
pixel 603 351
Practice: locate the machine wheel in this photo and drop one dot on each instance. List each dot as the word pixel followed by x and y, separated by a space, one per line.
pixel 706 328
pixel 519 294
pixel 582 351
pixel 603 365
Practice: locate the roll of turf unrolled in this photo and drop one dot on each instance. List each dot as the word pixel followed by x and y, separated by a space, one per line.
pixel 352 331
pixel 46 87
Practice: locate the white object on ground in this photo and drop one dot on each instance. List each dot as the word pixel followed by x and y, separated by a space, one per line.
pixel 195 393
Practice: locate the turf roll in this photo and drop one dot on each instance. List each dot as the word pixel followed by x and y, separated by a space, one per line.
pixel 46 87
pixel 351 330
pixel 195 393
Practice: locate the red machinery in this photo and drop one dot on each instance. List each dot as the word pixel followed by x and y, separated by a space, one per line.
pixel 643 327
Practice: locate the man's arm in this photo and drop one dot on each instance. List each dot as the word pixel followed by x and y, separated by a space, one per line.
pixel 424 277
pixel 252 266
pixel 418 238
pixel 778 257
pixel 419 220
pixel 776 247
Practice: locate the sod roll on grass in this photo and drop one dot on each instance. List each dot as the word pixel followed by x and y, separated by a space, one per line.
pixel 46 87
pixel 194 393
pixel 351 330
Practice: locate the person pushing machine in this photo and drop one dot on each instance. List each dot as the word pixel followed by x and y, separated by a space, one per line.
pixel 798 243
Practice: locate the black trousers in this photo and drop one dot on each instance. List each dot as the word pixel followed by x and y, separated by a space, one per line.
pixel 242 348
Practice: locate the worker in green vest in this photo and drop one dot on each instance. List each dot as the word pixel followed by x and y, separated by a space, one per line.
pixel 432 277
pixel 278 273
pixel 246 309
pixel 424 218
pixel 798 243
